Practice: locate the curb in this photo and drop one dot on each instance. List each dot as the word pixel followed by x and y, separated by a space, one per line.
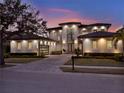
pixel 94 69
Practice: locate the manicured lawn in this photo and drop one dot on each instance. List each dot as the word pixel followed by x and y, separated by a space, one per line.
pixel 96 62
pixel 21 60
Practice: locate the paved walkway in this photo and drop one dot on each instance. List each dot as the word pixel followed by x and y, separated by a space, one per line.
pixel 48 65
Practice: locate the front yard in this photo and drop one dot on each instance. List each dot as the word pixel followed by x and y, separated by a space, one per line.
pixel 21 60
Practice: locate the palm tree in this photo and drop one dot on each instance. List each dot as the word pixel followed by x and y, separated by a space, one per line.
pixel 119 36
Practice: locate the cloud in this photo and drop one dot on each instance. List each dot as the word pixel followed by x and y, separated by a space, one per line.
pixel 54 16
pixel 57 15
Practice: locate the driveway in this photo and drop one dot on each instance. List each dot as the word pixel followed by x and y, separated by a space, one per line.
pixel 47 65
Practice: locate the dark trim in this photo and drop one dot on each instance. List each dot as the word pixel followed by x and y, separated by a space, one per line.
pixel 99 34
pixel 70 23
pixel 54 28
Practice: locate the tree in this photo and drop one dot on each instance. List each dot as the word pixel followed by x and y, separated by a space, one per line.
pixel 119 36
pixel 20 17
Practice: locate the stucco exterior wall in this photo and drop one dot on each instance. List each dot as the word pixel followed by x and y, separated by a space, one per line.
pixel 23 47
pixel 101 46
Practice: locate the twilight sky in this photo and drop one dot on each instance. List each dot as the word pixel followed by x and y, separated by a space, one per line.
pixel 85 11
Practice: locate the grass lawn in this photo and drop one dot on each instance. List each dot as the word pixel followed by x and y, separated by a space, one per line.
pixel 21 60
pixel 96 62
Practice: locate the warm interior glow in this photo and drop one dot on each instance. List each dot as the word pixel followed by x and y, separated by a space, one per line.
pixel 19 45
pixel 30 45
pixel 109 44
pixel 87 51
pixel 116 51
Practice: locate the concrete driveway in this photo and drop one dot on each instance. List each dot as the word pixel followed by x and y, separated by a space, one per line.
pixel 47 65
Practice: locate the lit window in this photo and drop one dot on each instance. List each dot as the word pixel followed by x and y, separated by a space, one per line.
pixel 109 44
pixel 94 44
pixel 30 45
pixel 19 45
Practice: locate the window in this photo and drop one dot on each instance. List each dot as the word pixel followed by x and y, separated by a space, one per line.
pixel 30 45
pixel 109 44
pixel 19 45
pixel 94 44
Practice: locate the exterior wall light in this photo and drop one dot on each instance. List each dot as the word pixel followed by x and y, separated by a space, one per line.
pixel 64 42
pixel 76 41
pixel 35 41
pixel 95 28
pixel 60 31
pixel 45 42
pixel 74 26
pixel 103 27
pixel 53 31
pixel 66 26
pixel 41 42
pixel 84 29
pixel 13 42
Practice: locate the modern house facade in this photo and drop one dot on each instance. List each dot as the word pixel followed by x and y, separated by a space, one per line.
pixel 91 38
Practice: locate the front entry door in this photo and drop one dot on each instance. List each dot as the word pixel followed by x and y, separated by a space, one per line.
pixel 70 48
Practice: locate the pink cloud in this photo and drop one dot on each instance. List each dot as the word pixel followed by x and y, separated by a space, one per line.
pixel 54 16
pixel 65 15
